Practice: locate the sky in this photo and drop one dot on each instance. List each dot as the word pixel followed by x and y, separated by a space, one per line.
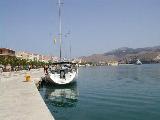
pixel 95 26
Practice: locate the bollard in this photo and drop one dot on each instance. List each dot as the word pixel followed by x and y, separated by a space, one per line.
pixel 28 77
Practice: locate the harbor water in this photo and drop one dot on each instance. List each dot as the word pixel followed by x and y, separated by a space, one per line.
pixel 126 92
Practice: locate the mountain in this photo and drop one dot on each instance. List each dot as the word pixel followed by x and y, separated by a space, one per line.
pixel 96 58
pixel 126 55
pixel 121 52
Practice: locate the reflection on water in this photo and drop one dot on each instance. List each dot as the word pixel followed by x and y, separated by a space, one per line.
pixel 60 96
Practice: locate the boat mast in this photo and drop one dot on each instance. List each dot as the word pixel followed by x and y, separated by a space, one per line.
pixel 70 49
pixel 60 29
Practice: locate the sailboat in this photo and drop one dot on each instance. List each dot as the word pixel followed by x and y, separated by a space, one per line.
pixel 138 62
pixel 62 72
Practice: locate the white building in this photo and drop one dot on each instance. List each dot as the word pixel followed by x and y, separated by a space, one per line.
pixel 35 57
pixel 22 55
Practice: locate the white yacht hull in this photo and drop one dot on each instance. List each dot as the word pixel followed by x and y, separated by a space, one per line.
pixel 69 77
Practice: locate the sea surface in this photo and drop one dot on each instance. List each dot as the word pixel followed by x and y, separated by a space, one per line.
pixel 126 92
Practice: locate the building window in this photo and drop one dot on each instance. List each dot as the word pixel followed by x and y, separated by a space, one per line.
pixel 0 51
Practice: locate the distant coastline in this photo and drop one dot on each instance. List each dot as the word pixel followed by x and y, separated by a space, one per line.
pixel 125 55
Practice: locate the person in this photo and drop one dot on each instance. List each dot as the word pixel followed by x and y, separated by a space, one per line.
pixel 29 67
pixel 45 69
pixel 1 69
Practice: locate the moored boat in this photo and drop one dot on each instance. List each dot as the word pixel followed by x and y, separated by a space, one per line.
pixel 138 62
pixel 62 73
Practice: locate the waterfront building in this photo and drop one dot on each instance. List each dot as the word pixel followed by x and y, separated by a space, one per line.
pixel 113 63
pixel 46 59
pixel 35 57
pixel 54 59
pixel 6 52
pixel 41 58
pixel 22 55
pixel 157 58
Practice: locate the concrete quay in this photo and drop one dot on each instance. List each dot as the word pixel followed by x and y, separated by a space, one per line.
pixel 21 100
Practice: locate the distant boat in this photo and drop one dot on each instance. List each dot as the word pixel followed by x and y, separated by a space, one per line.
pixel 62 72
pixel 138 62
